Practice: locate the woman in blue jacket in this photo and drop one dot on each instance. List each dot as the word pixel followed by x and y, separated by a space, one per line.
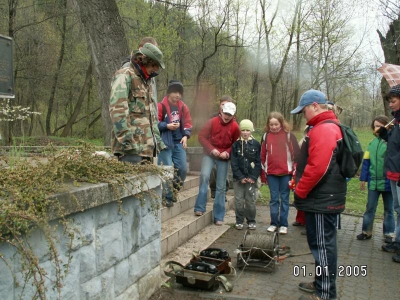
pixel 372 172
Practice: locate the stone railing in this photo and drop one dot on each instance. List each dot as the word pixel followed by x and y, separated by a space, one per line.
pixel 114 255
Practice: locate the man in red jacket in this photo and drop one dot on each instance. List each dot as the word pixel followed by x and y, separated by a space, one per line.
pixel 216 137
pixel 320 191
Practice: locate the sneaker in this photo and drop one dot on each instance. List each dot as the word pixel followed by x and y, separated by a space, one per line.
pixel 297 224
pixel 173 199
pixel 392 247
pixel 198 213
pixel 283 230
pixel 239 226
pixel 218 223
pixel 252 226
pixel 388 239
pixel 271 228
pixel 363 236
pixel 396 258
pixel 307 287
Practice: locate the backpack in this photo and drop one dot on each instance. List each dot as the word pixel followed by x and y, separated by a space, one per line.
pixel 350 154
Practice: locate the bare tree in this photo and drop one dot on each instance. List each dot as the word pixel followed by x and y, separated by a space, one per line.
pixel 107 44
pixel 81 98
pixel 211 37
pixel 275 76
pixel 50 103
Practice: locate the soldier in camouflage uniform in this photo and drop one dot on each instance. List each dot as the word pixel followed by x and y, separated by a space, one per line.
pixel 135 135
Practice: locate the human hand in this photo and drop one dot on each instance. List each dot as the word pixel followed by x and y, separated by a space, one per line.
pixel 381 131
pixel 224 155
pixel 249 180
pixel 362 185
pixel 184 142
pixel 243 181
pixel 173 126
pixel 215 152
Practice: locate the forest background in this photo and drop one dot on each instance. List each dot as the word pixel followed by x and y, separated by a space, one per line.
pixel 264 54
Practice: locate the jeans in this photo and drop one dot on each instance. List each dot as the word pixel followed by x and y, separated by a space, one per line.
pixel 245 201
pixel 369 215
pixel 177 158
pixel 396 203
pixel 279 203
pixel 219 201
pixel 213 184
pixel 321 238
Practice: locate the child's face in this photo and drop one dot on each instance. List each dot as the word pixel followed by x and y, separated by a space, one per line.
pixel 274 125
pixel 246 134
pixel 226 117
pixel 394 103
pixel 377 125
pixel 174 97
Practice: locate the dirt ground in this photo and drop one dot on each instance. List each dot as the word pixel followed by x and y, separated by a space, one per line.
pixel 172 294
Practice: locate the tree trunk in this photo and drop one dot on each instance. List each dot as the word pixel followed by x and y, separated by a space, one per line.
pixel 391 51
pixel 57 73
pixel 77 109
pixel 297 118
pixel 107 44
pixel 254 88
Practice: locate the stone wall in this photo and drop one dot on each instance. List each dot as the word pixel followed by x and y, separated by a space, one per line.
pixel 114 255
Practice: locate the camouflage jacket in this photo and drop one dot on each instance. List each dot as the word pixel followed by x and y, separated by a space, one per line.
pixel 133 114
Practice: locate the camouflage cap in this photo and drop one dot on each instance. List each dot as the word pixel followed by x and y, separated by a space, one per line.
pixel 153 52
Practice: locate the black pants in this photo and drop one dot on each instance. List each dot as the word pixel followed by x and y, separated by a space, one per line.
pixel 321 238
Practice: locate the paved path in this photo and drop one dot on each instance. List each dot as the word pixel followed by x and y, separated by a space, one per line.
pixel 380 282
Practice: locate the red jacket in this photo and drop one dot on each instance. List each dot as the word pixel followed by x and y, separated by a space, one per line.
pixel 278 152
pixel 216 134
pixel 323 142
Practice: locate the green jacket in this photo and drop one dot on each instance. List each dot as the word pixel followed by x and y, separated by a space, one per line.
pixel 133 114
pixel 372 166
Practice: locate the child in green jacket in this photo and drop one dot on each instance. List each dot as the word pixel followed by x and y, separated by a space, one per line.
pixel 373 173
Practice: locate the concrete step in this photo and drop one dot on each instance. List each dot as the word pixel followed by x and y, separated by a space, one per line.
pixel 186 200
pixel 203 239
pixel 179 229
pixel 190 182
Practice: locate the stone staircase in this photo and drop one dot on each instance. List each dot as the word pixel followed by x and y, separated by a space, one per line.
pixel 183 233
